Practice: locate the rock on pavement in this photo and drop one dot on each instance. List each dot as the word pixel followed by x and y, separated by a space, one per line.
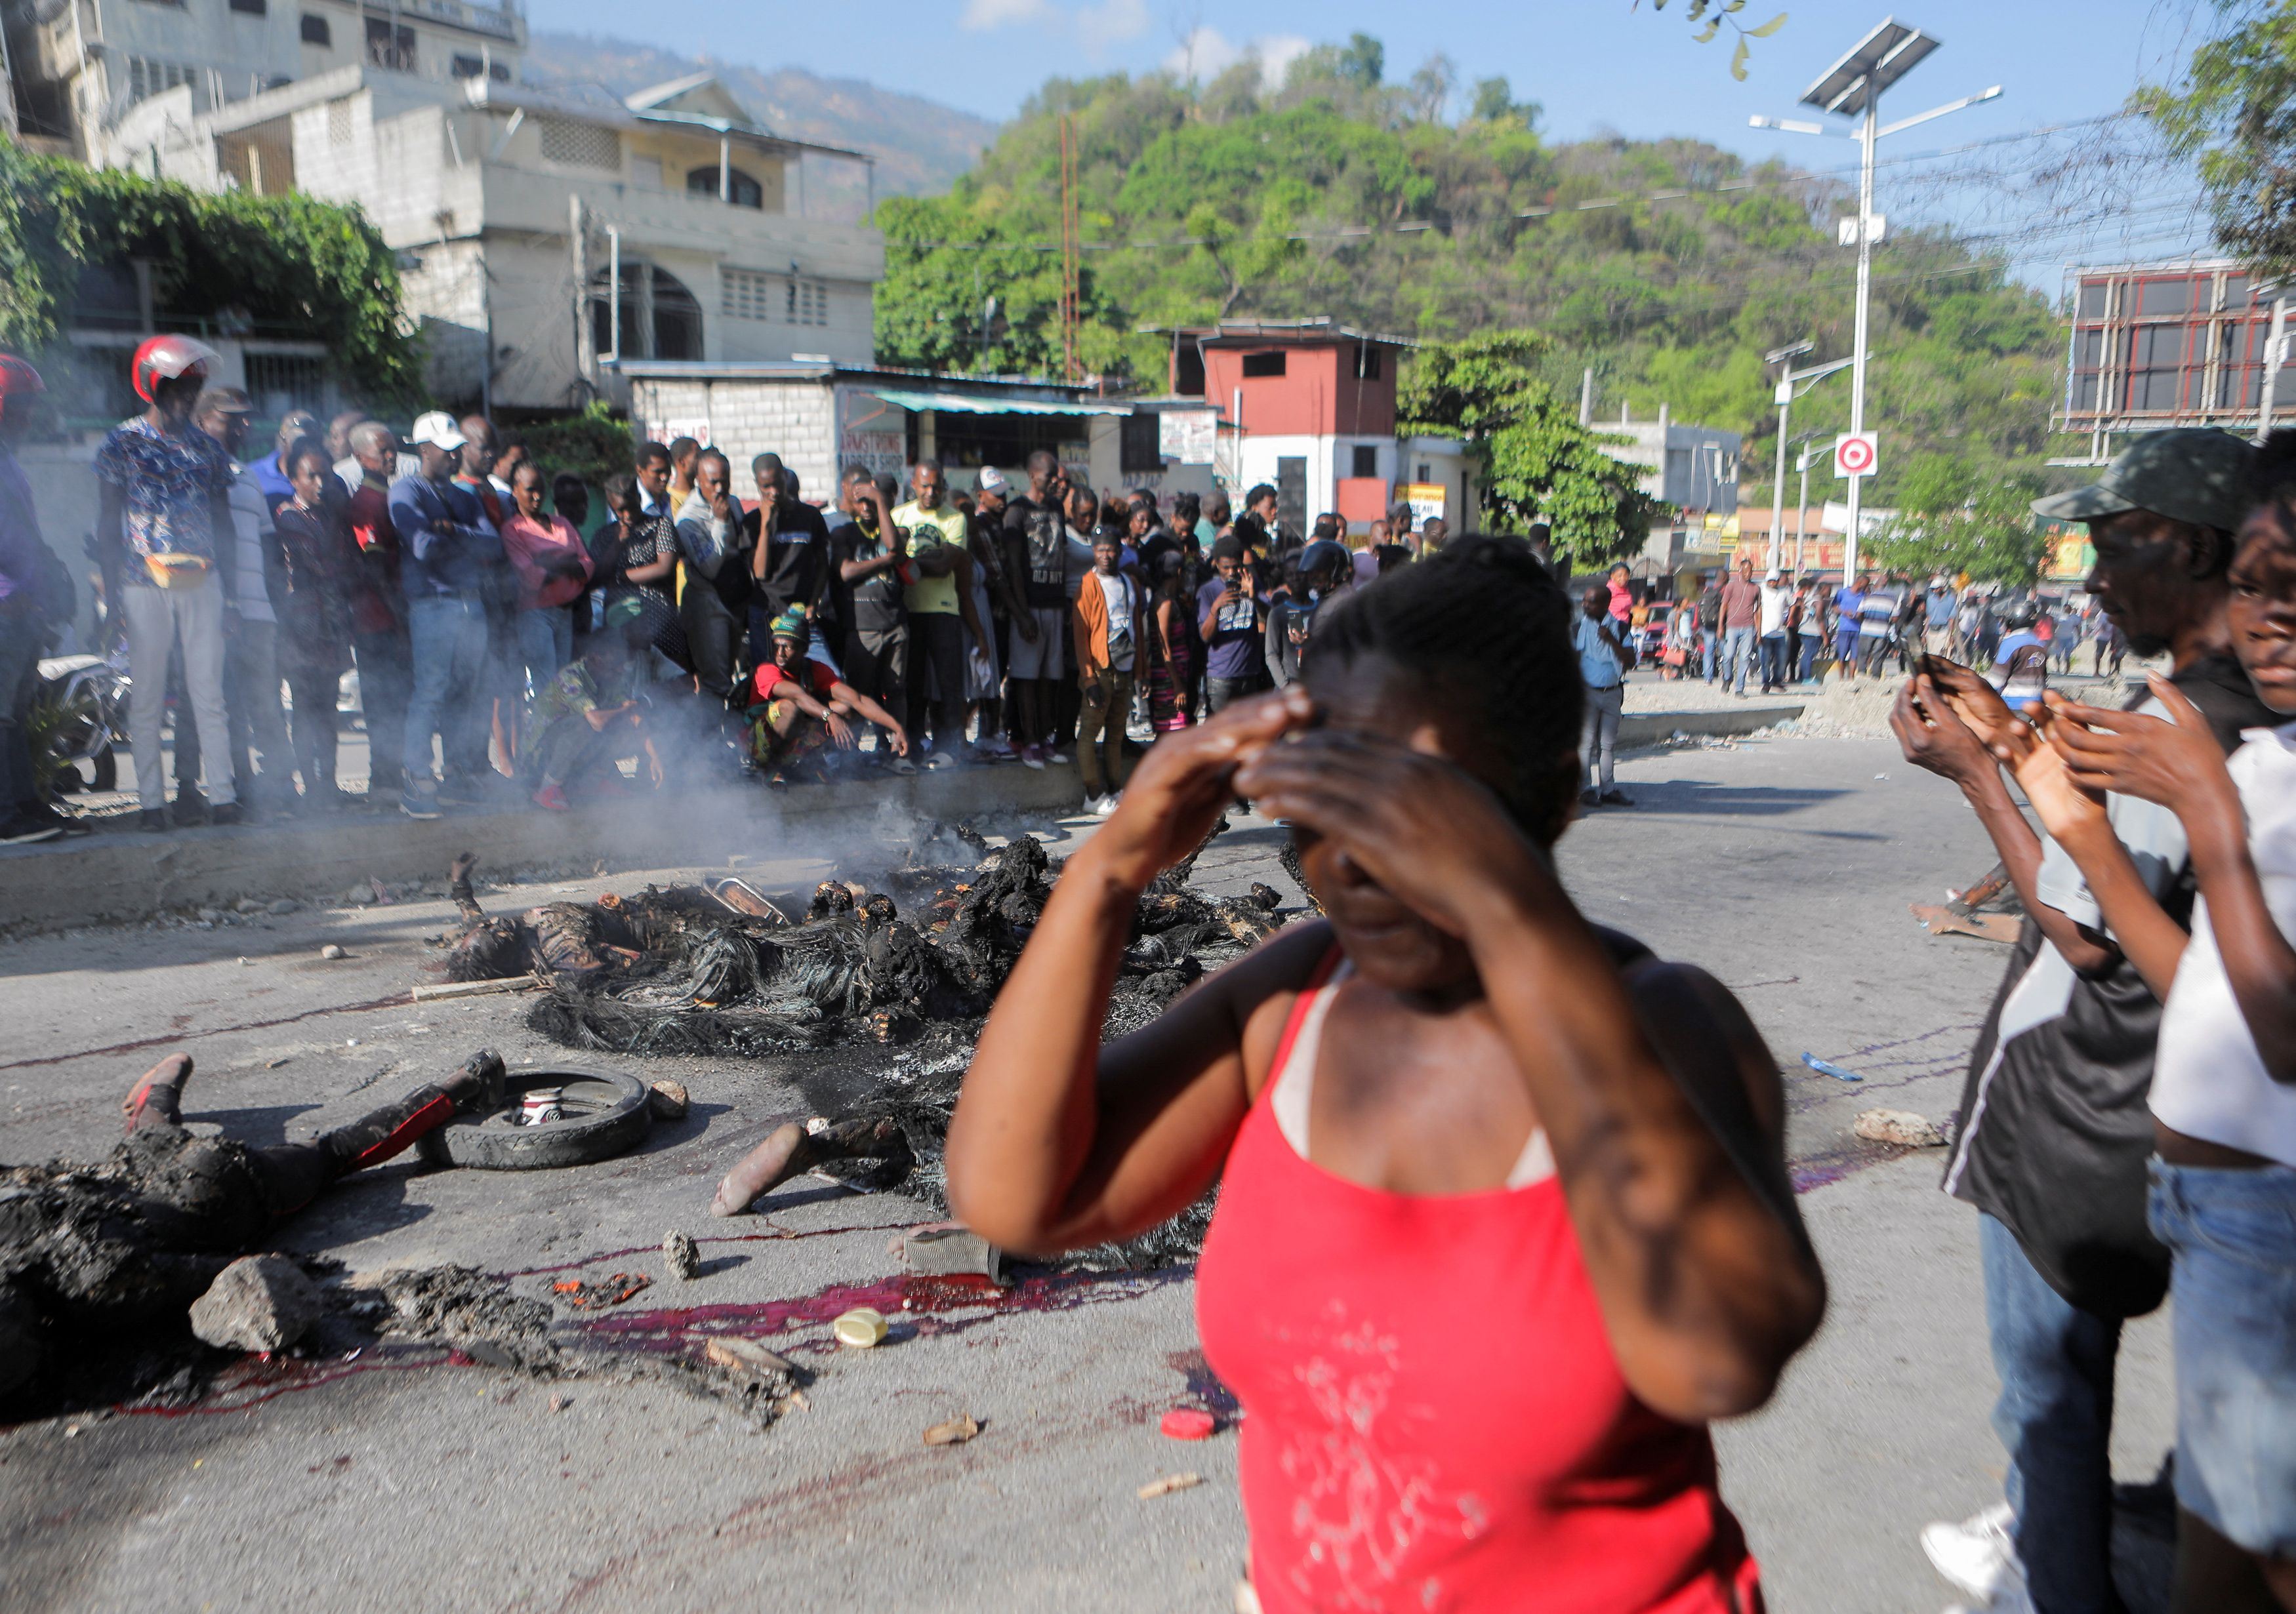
pixel 257 1303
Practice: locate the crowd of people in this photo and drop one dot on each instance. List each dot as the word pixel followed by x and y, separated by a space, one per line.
pixel 503 650
pixel 1777 630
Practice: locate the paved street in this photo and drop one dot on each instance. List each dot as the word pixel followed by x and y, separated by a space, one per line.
pixel 1783 865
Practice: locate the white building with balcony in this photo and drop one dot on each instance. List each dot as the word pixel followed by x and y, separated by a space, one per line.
pixel 542 234
pixel 77 67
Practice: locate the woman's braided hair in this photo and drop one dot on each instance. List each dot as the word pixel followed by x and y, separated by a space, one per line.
pixel 1484 620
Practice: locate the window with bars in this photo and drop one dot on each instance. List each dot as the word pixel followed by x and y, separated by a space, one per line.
pixel 745 294
pixel 580 145
pixel 807 302
pixel 147 78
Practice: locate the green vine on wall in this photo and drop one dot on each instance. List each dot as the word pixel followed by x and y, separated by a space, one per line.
pixel 284 260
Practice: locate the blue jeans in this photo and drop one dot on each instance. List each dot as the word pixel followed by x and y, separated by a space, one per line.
pixel 1809 643
pixel 1708 654
pixel 1737 656
pixel 448 639
pixel 2055 1418
pixel 1774 660
pixel 546 642
pixel 2232 1235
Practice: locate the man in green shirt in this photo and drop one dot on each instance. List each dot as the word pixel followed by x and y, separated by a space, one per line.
pixel 939 601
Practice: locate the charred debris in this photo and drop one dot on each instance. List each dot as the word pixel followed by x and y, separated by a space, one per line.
pixel 871 1003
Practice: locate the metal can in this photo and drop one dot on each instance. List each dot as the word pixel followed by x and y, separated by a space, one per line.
pixel 538 1105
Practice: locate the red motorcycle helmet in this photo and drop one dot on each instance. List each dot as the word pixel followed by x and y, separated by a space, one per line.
pixel 19 383
pixel 164 358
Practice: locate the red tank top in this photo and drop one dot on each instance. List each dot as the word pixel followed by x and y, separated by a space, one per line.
pixel 1434 1417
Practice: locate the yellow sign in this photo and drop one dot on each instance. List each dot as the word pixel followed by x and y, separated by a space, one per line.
pixel 2072 556
pixel 1426 500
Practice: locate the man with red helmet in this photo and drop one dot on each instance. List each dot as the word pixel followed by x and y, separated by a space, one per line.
pixel 164 532
pixel 24 612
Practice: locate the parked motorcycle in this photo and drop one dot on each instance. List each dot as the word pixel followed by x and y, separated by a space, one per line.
pixel 79 722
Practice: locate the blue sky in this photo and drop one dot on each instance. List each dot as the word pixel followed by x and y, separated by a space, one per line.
pixel 1596 65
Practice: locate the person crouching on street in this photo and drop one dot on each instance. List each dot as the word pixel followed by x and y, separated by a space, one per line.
pixel 797 707
pixel 1107 634
pixel 595 714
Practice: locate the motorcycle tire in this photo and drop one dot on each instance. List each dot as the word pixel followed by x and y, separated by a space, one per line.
pixel 603 1114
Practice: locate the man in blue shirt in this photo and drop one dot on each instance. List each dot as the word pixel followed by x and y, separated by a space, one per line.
pixel 1936 620
pixel 446 546
pixel 1603 661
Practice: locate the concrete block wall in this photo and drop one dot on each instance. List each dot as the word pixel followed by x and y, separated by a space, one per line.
pixel 794 419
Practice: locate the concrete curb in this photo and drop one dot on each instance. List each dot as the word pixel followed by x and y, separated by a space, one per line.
pixel 119 875
pixel 1655 728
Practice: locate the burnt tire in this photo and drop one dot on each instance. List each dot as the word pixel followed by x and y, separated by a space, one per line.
pixel 605 1114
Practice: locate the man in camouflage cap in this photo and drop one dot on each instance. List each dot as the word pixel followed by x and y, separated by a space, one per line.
pixel 2055 1133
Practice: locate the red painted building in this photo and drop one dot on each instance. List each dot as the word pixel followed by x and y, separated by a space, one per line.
pixel 1308 406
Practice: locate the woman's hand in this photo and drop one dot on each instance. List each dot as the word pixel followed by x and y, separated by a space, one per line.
pixel 2170 762
pixel 1430 835
pixel 1186 781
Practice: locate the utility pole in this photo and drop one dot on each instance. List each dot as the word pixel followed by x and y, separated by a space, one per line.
pixel 1852 87
pixel 1802 511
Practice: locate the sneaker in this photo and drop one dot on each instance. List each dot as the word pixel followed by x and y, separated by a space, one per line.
pixel 420 803
pixel 551 799
pixel 459 792
pixel 224 813
pixel 1033 757
pixel 1617 799
pixel 154 820
pixel 22 829
pixel 1106 805
pixel 1977 1555
pixel 1586 798
pixel 1057 757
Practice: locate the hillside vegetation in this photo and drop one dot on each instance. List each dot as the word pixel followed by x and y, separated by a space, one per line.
pixel 1194 201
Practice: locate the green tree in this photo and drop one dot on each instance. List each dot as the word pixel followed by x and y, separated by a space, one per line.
pixel 1533 457
pixel 1957 515
pixel 2235 112
pixel 1363 62
pixel 284 262
pixel 1494 102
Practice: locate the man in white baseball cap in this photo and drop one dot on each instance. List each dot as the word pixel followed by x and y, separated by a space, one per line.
pixel 439 429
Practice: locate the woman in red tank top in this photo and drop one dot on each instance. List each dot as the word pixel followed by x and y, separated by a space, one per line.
pixel 1504 1217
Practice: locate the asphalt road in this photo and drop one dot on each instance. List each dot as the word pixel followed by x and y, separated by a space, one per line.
pixel 1785 866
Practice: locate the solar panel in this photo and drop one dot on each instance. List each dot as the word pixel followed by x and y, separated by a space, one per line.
pixel 1875 63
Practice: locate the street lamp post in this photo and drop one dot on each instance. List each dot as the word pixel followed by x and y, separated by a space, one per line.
pixel 1852 87
pixel 1801 513
pixel 1794 383
pixel 1782 356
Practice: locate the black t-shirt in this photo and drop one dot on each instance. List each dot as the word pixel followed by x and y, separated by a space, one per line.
pixel 874 604
pixel 794 559
pixel 1043 540
pixel 2055 1134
